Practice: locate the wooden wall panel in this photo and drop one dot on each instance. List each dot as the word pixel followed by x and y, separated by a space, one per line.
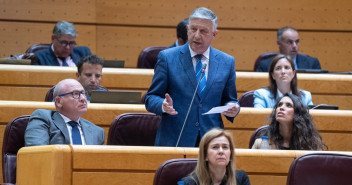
pixel 333 49
pixel 121 29
pixel 48 10
pixel 17 37
pixel 114 42
pixel 232 14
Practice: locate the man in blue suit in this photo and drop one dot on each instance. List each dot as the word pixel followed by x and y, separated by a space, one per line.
pixel 62 51
pixel 288 42
pixel 175 82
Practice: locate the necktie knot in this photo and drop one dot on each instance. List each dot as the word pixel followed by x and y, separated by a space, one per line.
pixel 63 59
pixel 73 123
pixel 199 58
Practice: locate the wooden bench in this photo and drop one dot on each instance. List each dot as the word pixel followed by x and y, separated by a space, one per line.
pixel 334 126
pixel 80 165
pixel 31 83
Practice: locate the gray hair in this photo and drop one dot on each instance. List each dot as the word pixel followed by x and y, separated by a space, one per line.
pixel 64 28
pixel 205 13
pixel 281 31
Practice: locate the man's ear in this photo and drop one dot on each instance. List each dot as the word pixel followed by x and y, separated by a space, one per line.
pixel 77 75
pixel 58 102
pixel 215 33
pixel 52 38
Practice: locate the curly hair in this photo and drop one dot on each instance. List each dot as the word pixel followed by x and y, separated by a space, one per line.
pixel 305 136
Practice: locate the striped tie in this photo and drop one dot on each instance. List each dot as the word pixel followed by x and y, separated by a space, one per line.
pixel 199 74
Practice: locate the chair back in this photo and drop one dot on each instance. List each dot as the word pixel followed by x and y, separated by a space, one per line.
pixel 247 99
pixel 13 141
pixel 148 57
pixel 37 47
pixel 320 169
pixel 173 170
pixel 49 95
pixel 263 57
pixel 258 133
pixel 134 129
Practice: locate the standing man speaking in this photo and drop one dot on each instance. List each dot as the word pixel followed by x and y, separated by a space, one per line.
pixel 177 74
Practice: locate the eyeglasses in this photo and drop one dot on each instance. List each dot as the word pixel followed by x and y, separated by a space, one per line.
pixel 64 43
pixel 75 94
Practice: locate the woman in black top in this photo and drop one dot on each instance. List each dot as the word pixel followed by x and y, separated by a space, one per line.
pixel 216 162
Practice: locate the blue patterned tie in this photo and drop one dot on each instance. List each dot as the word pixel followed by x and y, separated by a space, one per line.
pixel 63 59
pixel 76 136
pixel 199 74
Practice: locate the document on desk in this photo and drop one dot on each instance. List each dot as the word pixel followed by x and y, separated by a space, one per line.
pixel 219 109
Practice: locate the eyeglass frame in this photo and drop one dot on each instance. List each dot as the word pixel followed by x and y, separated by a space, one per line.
pixel 64 43
pixel 73 96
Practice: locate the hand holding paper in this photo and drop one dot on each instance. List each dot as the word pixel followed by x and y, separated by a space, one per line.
pixel 222 109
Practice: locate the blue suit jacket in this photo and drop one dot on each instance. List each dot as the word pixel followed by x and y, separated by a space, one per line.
pixel 47 127
pixel 48 58
pixel 174 74
pixel 263 98
pixel 303 62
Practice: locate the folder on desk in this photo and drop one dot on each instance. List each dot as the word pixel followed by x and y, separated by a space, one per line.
pixel 120 97
pixel 114 63
pixel 324 106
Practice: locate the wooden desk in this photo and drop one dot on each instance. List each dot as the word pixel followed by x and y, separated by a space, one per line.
pixel 81 165
pixel 31 83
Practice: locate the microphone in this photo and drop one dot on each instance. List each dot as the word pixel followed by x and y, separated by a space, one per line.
pixel 190 106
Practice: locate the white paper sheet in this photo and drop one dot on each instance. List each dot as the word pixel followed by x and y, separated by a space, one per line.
pixel 220 109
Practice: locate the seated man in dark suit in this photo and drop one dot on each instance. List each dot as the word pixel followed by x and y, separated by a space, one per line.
pixel 181 31
pixel 288 42
pixel 65 125
pixel 62 51
pixel 89 74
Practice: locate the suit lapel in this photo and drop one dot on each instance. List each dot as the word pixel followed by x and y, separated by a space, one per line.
pixel 60 123
pixel 186 61
pixel 300 62
pixel 75 57
pixel 54 58
pixel 86 129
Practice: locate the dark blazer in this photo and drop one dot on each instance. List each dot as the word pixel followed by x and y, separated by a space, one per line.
pixel 241 179
pixel 47 127
pixel 303 62
pixel 174 74
pixel 48 58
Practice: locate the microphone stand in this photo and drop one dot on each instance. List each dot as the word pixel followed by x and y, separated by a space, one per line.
pixel 190 106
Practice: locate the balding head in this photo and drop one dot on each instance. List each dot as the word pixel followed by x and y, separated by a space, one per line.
pixel 67 105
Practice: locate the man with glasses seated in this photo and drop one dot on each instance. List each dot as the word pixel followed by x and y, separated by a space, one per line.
pixel 62 51
pixel 65 125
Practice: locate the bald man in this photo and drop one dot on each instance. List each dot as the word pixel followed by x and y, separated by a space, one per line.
pixel 65 125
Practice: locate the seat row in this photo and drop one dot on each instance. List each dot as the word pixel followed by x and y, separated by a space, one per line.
pixel 31 83
pixel 74 164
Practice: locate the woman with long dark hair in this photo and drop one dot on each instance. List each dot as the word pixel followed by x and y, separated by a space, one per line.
pixel 292 127
pixel 283 79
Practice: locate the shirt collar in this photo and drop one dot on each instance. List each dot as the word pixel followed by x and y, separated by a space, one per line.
pixel 205 54
pixel 66 119
pixel 279 94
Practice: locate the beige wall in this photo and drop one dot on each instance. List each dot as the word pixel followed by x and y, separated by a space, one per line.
pixel 121 29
